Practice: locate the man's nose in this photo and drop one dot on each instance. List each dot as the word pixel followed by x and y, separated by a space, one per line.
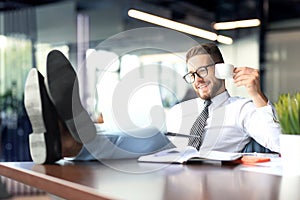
pixel 198 79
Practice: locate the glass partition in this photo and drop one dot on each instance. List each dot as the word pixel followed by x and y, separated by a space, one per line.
pixel 16 61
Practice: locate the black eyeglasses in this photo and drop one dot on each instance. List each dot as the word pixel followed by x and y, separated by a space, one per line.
pixel 201 73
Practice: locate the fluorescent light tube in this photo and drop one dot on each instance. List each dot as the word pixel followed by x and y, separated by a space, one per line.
pixel 236 24
pixel 175 25
pixel 224 39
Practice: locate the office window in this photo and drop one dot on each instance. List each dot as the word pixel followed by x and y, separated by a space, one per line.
pixel 15 62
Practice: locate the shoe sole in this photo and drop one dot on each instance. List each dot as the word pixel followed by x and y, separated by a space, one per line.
pixel 63 88
pixel 44 141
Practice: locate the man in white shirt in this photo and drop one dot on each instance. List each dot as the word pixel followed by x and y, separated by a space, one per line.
pixel 232 121
pixel 63 128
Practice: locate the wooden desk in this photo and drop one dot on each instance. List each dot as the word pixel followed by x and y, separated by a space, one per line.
pixel 128 179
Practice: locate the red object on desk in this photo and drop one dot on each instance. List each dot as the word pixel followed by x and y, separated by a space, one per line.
pixel 254 159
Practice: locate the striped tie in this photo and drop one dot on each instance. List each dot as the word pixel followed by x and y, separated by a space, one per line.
pixel 198 127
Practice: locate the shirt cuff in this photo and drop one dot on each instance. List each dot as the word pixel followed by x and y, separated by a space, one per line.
pixel 269 110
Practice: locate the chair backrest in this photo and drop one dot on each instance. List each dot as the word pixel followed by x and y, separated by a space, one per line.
pixel 254 146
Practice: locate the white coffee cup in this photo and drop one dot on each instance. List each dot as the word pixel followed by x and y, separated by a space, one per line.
pixel 224 70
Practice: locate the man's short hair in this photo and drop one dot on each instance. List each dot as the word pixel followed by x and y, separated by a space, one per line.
pixel 206 48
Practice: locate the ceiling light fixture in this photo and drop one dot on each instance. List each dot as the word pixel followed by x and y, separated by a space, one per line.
pixel 236 24
pixel 179 26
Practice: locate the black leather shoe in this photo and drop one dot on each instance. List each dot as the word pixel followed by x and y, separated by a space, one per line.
pixel 63 89
pixel 44 142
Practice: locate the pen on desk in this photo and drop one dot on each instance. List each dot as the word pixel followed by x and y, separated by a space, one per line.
pixel 181 135
pixel 271 155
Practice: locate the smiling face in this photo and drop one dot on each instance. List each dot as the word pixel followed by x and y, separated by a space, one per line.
pixel 209 86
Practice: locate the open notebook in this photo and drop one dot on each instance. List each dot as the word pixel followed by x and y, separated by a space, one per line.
pixel 183 155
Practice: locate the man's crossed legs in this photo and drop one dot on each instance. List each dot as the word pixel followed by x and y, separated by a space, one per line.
pixel 63 128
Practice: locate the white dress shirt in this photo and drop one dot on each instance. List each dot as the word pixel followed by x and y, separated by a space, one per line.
pixel 231 123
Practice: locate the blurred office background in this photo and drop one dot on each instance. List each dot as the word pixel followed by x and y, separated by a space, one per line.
pixel 29 29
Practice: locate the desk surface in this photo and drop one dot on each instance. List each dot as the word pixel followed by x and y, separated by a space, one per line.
pixel 128 179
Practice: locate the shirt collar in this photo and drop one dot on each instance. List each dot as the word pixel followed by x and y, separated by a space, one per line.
pixel 220 99
pixel 217 101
